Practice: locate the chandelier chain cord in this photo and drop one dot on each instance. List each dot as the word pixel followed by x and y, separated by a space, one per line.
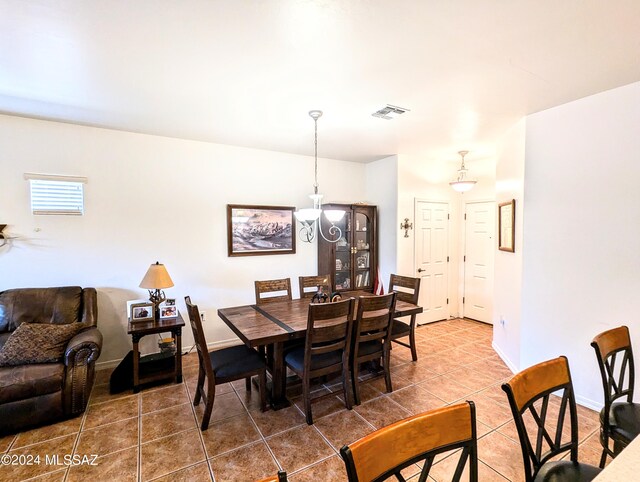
pixel 315 185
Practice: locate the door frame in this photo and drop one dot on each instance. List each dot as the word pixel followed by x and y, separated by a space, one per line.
pixel 462 285
pixel 417 200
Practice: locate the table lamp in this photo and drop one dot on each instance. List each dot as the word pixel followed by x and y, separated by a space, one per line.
pixel 155 280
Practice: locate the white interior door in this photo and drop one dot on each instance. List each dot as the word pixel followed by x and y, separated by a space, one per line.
pixel 432 258
pixel 478 260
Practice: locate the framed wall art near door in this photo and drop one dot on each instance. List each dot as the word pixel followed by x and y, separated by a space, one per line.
pixel 506 226
pixel 260 230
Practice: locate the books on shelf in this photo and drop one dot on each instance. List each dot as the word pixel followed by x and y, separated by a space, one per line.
pixel 362 280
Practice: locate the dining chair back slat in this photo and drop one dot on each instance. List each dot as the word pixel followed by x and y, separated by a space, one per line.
pixel 310 285
pixel 407 289
pixel 276 290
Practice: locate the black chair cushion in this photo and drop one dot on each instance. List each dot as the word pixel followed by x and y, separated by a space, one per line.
pixel 235 360
pixel 567 471
pixel 295 359
pixel 369 347
pixel 624 419
pixel 400 328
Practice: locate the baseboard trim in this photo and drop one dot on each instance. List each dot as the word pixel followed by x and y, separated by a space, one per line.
pixel 587 402
pixel 505 358
pixel 101 365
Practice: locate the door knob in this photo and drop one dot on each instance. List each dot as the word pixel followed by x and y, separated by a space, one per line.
pixel 420 270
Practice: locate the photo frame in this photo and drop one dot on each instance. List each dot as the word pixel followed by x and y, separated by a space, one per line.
pixel 142 312
pixel 133 302
pixel 168 311
pixel 506 226
pixel 260 230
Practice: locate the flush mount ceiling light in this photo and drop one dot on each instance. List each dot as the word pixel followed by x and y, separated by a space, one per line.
pixel 310 218
pixel 462 184
pixel 389 112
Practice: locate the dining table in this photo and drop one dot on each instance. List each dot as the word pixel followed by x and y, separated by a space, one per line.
pixel 276 323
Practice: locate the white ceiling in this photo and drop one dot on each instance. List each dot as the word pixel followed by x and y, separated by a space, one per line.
pixel 246 72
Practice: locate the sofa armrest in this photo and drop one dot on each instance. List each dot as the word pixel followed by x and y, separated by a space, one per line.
pixel 83 348
pixel 80 356
pixel 89 306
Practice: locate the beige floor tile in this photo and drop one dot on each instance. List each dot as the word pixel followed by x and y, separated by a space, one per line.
pixel 416 400
pixel 224 406
pixel 503 455
pixel 168 421
pixel 343 428
pixel 109 438
pixel 252 462
pixel 101 393
pixel 109 412
pixel 272 422
pixel 229 434
pixel 121 466
pixel 444 470
pixel 323 407
pixel 103 376
pixel 299 448
pixel 6 442
pixel 381 412
pixel 172 453
pixel 446 388
pixel 414 372
pixel 329 470
pixel 48 432
pixel 164 397
pixel 58 448
pixel 195 473
pixel 57 476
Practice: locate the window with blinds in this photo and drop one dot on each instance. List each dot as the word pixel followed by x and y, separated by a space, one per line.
pixel 56 194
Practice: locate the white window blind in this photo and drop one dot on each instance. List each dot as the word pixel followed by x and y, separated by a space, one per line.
pixel 56 194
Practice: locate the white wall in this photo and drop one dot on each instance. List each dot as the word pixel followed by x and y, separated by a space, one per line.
pixel 508 266
pixel 151 198
pixel 581 259
pixel 382 190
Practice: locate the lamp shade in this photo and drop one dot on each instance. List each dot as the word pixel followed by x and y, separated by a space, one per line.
pixel 156 278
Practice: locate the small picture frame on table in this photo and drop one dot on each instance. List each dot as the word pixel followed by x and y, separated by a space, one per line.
pixel 168 311
pixel 169 302
pixel 142 312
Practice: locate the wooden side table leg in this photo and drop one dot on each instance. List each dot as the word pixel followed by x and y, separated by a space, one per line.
pixel 278 378
pixel 179 355
pixel 136 363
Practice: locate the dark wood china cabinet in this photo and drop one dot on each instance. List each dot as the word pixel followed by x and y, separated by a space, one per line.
pixel 352 262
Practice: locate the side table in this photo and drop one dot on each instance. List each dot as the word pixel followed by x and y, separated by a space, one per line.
pixel 152 370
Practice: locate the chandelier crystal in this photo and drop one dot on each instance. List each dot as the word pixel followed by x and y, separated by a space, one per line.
pixel 462 184
pixel 310 218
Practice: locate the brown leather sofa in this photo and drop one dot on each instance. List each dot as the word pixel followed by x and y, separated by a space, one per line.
pixel 36 394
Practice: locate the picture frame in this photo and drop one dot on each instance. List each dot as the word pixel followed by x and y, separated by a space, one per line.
pixel 133 302
pixel 169 302
pixel 142 312
pixel 260 230
pixel 168 311
pixel 506 226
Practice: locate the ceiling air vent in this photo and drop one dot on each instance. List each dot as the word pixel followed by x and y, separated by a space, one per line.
pixel 389 112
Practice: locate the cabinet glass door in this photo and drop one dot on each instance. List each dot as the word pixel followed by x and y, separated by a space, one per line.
pixel 362 253
pixel 343 255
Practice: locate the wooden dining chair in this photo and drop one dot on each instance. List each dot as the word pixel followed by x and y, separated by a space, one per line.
pixel 281 476
pixel 222 366
pixel 371 337
pixel 620 417
pixel 326 349
pixel 530 392
pixel 385 452
pixel 273 289
pixel 408 290
pixel 310 285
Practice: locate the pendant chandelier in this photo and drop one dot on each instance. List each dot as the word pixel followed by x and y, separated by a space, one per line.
pixel 310 218
pixel 462 184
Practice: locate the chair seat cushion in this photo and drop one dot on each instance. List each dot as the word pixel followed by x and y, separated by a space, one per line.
pixel 27 381
pixel 400 328
pixel 567 471
pixel 624 419
pixel 295 359
pixel 369 347
pixel 234 361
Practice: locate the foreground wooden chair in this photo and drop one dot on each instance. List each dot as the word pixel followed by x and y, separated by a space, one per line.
pixel 222 366
pixel 326 349
pixel 385 452
pixel 371 337
pixel 619 420
pixel 408 290
pixel 268 287
pixel 310 285
pixel 530 391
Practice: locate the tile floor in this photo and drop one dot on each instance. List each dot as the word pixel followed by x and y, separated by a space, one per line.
pixel 154 435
